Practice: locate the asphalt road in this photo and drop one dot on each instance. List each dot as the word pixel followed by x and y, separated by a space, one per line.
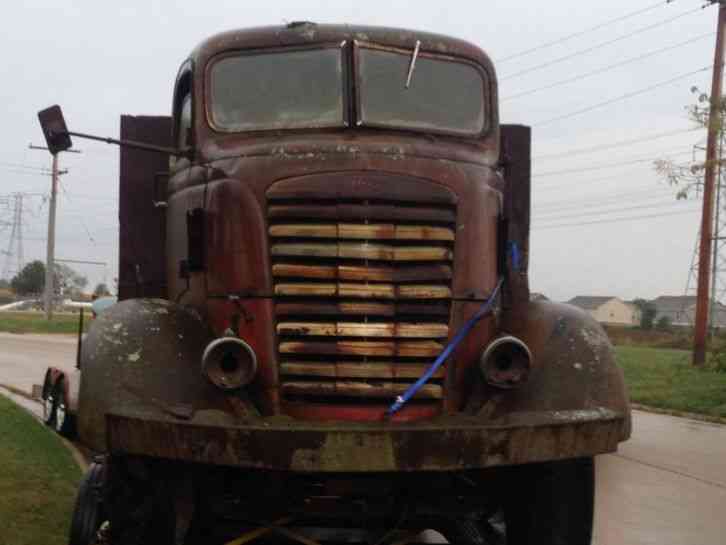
pixel 666 486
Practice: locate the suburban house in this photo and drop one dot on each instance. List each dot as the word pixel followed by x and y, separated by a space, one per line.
pixel 608 310
pixel 681 310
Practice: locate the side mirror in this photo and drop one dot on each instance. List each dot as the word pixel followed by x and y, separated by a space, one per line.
pixel 58 137
pixel 54 129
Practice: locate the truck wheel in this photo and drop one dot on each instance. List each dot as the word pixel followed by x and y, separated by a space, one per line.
pixel 138 502
pixel 63 421
pixel 543 504
pixel 88 512
pixel 551 503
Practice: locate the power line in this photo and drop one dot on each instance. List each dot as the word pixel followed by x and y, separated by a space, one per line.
pixel 608 209
pixel 599 45
pixel 620 143
pixel 92 197
pixel 585 31
pixel 622 97
pixel 580 182
pixel 605 68
pixel 650 193
pixel 79 218
pixel 25 172
pixel 603 166
pixel 23 166
pixel 613 220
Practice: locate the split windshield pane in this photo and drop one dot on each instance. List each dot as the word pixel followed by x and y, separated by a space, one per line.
pixel 282 90
pixel 443 96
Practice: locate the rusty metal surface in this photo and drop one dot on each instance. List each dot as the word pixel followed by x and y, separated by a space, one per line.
pixel 141 265
pixel 239 257
pixel 573 364
pixel 516 158
pixel 272 203
pixel 450 443
pixel 310 34
pixel 143 352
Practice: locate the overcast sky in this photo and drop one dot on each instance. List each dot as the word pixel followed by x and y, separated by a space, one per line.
pixel 611 229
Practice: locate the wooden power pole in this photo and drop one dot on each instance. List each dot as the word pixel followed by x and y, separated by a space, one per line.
pixel 49 291
pixel 50 246
pixel 704 253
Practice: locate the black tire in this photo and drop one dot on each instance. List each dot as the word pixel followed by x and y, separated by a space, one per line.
pixel 88 514
pixel 49 402
pixel 552 503
pixel 543 504
pixel 471 532
pixel 138 502
pixel 63 421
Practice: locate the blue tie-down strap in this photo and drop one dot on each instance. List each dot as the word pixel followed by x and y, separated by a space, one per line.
pixel 514 255
pixel 446 352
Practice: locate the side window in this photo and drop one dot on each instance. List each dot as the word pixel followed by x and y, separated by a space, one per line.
pixel 185 122
pixel 182 110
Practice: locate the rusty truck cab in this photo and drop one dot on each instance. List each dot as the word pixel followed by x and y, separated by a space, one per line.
pixel 344 206
pixel 337 217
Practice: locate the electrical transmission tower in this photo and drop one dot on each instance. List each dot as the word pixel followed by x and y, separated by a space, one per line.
pixel 14 259
pixel 718 261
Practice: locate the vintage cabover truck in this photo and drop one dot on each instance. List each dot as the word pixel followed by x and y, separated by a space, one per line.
pixel 325 326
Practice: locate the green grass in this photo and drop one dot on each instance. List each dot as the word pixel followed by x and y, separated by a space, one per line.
pixel 38 481
pixel 35 322
pixel 665 379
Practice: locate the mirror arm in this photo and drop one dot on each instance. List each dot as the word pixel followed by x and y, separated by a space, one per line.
pixel 186 153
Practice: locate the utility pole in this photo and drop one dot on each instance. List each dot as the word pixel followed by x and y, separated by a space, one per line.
pixel 704 256
pixel 50 243
pixel 50 246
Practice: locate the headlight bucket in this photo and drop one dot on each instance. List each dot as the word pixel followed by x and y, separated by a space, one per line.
pixel 229 363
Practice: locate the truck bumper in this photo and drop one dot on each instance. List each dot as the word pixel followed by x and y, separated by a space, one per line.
pixel 446 444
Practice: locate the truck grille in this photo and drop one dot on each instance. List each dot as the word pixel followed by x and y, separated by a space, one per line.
pixel 362 297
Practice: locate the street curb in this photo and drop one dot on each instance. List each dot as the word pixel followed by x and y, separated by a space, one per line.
pixel 679 414
pixel 18 392
pixel 77 455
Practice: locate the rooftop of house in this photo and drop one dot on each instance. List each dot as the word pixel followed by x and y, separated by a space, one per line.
pixel 590 302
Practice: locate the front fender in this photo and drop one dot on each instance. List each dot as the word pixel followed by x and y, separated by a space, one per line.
pixel 142 353
pixel 574 367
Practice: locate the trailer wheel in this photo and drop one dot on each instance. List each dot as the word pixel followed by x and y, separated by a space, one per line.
pixel 88 513
pixel 48 402
pixel 63 421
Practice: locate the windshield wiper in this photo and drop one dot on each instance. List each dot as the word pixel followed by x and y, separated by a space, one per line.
pixel 413 63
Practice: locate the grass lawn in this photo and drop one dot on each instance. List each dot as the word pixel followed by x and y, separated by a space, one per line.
pixel 664 378
pixel 35 322
pixel 38 481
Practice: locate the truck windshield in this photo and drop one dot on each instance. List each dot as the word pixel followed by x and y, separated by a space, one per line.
pixel 443 95
pixel 280 90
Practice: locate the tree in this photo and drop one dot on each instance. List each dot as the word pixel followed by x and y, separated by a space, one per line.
pixel 688 176
pixel 67 281
pixel 4 284
pixel 647 313
pixel 31 280
pixel 101 290
pixel 664 323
